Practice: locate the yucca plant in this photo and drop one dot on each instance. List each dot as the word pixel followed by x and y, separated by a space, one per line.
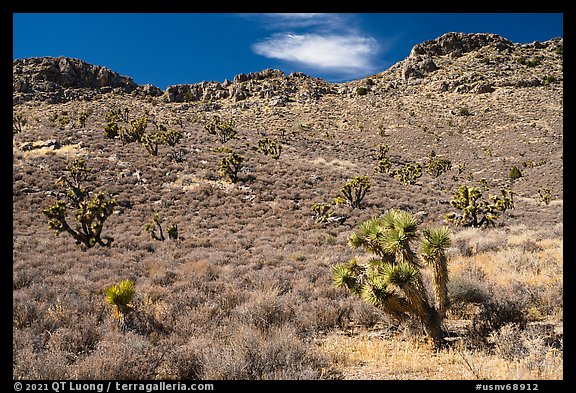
pixel 270 147
pixel 120 297
pixel 392 279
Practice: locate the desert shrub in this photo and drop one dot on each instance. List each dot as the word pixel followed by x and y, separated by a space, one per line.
pixel 514 173
pixel 250 354
pixel 465 289
pixel 545 196
pixel 463 111
pixel 182 362
pixel 548 80
pixel 126 356
pixel 361 91
pixel 508 342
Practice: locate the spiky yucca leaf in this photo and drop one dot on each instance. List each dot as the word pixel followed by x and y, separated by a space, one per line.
pixel 344 276
pixel 120 296
pixel 367 236
pixel 386 300
pixel 401 274
pixel 435 240
pixel 396 242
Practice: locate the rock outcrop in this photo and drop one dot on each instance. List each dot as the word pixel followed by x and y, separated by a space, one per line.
pixel 60 79
pixel 269 84
pixel 462 63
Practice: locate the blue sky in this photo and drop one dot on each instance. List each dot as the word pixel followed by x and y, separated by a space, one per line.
pixel 166 49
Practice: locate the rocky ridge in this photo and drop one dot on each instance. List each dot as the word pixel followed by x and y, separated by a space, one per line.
pixel 454 62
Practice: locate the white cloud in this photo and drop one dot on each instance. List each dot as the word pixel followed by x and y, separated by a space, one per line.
pixel 328 52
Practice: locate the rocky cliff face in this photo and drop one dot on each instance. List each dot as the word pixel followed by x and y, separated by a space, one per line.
pixel 478 63
pixel 59 79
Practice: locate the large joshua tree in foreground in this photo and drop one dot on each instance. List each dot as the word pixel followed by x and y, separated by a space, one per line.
pixel 391 280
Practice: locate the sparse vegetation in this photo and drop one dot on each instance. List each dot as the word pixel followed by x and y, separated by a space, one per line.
pixel 224 129
pixel 249 292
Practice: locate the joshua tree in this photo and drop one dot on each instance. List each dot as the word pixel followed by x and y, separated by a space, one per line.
pixel 154 228
pixel 355 190
pixel 476 212
pixel 322 212
pixel 90 213
pixel 271 147
pixel 545 196
pixel 230 166
pixel 392 279
pixel 18 123
pixel 135 132
pixel 437 165
pixel 408 174
pixel 223 129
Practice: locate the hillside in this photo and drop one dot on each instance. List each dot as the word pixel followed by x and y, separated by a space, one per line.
pixel 246 291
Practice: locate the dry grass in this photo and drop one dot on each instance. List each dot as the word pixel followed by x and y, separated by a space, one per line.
pixel 362 357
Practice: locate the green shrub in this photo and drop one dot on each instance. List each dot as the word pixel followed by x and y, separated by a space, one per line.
pixel 514 173
pixel 463 111
pixel 361 91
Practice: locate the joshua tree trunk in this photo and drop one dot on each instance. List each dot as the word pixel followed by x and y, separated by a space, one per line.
pixel 433 326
